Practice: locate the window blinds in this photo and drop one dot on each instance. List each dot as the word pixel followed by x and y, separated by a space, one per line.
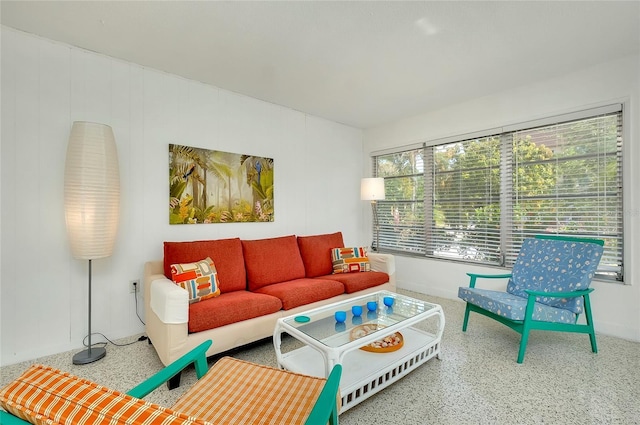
pixel 476 199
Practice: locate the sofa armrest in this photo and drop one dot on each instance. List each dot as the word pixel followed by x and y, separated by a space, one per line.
pixel 169 339
pixel 169 301
pixel 382 262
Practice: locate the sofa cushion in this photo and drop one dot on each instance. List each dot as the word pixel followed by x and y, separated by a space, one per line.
pixel 554 266
pixel 225 253
pixel 43 395
pixel 349 260
pixel 271 261
pixel 303 291
pixel 230 307
pixel 200 279
pixel 316 252
pixel 513 306
pixel 354 282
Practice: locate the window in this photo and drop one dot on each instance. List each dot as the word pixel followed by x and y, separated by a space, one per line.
pixel 475 199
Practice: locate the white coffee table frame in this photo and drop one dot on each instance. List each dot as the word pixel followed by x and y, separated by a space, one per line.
pixel 364 373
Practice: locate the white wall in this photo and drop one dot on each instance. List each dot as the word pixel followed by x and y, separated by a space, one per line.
pixel 616 307
pixel 45 87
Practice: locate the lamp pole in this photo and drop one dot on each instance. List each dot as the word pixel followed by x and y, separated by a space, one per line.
pixel 91 354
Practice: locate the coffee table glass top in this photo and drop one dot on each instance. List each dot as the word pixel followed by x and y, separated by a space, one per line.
pixel 321 325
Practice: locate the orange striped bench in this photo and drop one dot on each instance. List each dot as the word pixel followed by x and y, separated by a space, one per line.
pixel 239 392
pixel 231 392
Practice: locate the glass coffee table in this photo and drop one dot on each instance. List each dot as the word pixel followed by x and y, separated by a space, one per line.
pixel 375 349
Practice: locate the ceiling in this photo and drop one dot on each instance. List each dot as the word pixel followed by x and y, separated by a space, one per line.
pixel 360 63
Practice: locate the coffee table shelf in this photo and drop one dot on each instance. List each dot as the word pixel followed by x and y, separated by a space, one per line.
pixel 363 373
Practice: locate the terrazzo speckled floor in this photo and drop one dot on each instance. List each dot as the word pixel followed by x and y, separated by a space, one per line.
pixel 477 381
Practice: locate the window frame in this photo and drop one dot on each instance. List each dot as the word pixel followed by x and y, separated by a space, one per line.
pixel 504 133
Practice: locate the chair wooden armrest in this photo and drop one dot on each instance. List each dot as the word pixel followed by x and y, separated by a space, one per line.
pixel 197 356
pixel 571 294
pixel 9 419
pixel 475 276
pixel 326 408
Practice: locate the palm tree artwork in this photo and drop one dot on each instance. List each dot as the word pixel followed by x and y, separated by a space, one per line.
pixel 209 186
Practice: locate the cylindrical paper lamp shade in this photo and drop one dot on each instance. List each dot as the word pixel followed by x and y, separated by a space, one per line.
pixel 91 190
pixel 372 189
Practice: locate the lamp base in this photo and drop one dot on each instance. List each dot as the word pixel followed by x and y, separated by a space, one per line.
pixel 89 355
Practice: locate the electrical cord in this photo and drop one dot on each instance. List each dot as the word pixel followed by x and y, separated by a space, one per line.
pixel 104 343
pixel 135 296
pixel 108 341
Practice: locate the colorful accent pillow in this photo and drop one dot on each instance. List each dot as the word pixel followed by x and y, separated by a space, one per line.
pixel 46 396
pixel 200 279
pixel 350 260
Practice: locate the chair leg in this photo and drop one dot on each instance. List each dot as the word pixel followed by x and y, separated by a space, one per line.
pixel 523 345
pixel 174 382
pixel 526 327
pixel 592 331
pixel 466 318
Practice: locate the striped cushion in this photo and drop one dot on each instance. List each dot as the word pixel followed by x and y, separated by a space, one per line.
pixel 238 392
pixel 43 395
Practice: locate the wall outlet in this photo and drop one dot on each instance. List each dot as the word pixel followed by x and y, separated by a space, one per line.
pixel 134 286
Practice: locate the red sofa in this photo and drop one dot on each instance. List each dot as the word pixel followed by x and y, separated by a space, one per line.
pixel 259 280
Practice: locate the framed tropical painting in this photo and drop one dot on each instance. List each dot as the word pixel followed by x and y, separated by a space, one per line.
pixel 209 186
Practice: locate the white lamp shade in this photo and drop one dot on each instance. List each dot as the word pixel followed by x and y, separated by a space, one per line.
pixel 91 190
pixel 372 189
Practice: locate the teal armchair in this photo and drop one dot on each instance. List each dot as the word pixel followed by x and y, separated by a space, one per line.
pixel 548 289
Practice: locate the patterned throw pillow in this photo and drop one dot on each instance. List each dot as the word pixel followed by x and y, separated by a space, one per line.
pixel 200 279
pixel 349 260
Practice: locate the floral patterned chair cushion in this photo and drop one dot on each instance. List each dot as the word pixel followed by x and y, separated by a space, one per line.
pixel 551 265
pixel 513 306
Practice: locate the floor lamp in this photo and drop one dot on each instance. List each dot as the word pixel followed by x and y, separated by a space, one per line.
pixel 372 189
pixel 91 202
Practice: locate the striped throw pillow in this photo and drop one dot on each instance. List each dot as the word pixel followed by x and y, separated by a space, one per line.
pixel 46 396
